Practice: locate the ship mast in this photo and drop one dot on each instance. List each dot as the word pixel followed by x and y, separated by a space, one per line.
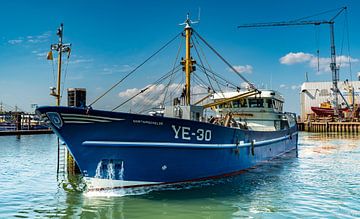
pixel 60 48
pixel 188 62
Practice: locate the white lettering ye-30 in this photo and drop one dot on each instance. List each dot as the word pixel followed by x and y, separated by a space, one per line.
pixel 185 133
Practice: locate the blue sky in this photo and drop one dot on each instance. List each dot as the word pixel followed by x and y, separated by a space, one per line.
pixel 109 38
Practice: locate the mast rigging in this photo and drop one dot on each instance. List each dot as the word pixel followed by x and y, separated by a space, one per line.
pixel 61 48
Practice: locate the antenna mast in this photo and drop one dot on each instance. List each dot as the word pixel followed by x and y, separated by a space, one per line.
pixel 60 48
pixel 188 63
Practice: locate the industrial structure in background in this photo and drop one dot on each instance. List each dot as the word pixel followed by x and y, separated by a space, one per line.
pixel 316 101
pixel 14 120
pixel 325 102
pixel 333 66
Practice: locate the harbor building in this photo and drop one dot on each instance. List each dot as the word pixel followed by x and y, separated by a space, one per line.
pixel 315 94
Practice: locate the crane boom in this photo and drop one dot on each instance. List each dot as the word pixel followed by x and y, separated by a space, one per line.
pixel 284 23
pixel 333 66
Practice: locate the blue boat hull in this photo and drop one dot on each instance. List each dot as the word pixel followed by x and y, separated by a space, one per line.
pixel 148 150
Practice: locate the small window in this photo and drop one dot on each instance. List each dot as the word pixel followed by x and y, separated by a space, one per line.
pixel 269 103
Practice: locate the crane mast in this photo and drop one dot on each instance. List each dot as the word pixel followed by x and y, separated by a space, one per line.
pixel 333 66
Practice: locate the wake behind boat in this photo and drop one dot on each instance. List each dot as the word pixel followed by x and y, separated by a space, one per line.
pixel 179 143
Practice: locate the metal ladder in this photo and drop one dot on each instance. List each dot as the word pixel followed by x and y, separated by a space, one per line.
pixel 62 155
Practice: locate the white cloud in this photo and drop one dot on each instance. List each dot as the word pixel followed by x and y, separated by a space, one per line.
pixel 143 98
pixel 44 37
pixel 244 85
pixel 292 58
pixel 292 87
pixel 242 68
pixel 42 54
pixel 39 54
pixel 320 64
pixel 295 87
pixel 77 61
pixel 17 41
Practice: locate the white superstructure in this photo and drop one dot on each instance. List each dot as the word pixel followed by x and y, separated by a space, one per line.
pixel 262 112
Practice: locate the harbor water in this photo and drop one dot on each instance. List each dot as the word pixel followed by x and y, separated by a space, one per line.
pixel 321 181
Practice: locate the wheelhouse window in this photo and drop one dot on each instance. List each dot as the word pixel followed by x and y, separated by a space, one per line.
pixel 256 102
pixel 241 103
pixel 224 105
pixel 278 105
pixel 236 103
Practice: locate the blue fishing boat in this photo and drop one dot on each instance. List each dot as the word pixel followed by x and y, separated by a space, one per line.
pixel 178 143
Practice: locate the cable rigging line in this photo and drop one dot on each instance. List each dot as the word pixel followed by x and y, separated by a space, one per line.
pixel 171 94
pixel 148 87
pixel 216 75
pixel 197 52
pixel 317 42
pixel 315 15
pixel 168 74
pixel 196 40
pixel 346 31
pixel 137 67
pixel 144 109
pixel 66 70
pixel 224 85
pixel 348 43
pixel 171 79
pixel 53 71
pixel 226 62
pixel 155 96
pixel 200 82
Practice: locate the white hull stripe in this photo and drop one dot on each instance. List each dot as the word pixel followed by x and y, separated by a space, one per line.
pixel 171 144
pixel 71 118
pixel 90 117
pixel 77 122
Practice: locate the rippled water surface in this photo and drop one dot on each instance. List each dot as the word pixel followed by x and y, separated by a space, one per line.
pixel 322 182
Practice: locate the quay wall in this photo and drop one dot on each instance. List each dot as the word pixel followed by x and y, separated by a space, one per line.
pixel 345 127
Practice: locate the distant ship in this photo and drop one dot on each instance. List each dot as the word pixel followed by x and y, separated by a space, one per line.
pixel 178 143
pixel 325 109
